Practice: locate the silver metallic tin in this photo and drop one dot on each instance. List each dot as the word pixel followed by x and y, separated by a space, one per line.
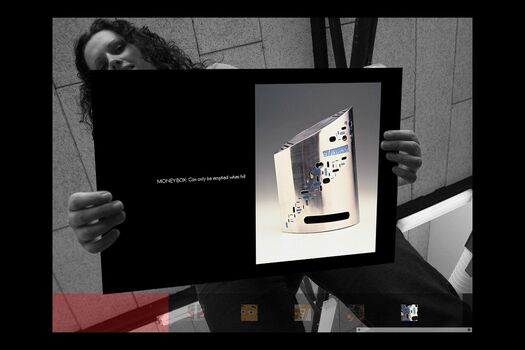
pixel 316 177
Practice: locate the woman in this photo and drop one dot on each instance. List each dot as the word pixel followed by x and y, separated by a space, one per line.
pixel 114 45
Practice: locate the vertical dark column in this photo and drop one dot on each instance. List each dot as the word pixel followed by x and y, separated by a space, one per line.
pixel 337 42
pixel 317 25
pixel 363 42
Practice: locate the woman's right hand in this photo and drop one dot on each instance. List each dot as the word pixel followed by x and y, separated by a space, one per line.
pixel 92 215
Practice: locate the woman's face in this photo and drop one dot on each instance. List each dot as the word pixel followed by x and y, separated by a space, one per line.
pixel 107 50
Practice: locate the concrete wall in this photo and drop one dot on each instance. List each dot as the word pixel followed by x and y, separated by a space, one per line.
pixel 436 55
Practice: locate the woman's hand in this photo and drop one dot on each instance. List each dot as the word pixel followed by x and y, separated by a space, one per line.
pixel 404 150
pixel 92 215
pixel 402 147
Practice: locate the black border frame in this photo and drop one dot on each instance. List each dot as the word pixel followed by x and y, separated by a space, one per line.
pixel 44 160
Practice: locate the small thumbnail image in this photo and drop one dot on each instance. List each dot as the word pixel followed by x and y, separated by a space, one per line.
pixel 195 312
pixel 409 312
pixel 302 312
pixel 356 311
pixel 249 312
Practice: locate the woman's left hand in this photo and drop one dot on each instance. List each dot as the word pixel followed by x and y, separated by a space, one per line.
pixel 402 147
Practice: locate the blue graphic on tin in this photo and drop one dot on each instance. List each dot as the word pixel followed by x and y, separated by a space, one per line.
pixel 335 151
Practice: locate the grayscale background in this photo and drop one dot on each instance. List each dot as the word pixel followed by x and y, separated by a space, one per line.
pixel 436 57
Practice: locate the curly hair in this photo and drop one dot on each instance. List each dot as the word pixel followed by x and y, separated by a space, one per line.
pixel 159 52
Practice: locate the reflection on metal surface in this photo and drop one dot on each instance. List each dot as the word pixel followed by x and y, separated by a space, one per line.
pixel 315 197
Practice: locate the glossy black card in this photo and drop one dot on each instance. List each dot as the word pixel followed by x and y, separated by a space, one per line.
pixel 191 156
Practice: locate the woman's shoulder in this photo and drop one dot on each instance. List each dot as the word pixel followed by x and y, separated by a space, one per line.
pixel 220 66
